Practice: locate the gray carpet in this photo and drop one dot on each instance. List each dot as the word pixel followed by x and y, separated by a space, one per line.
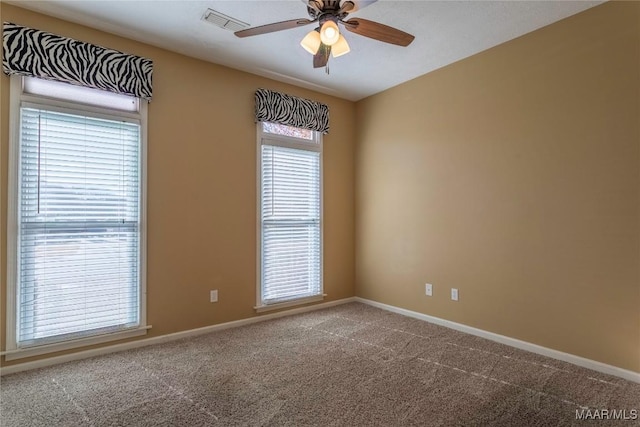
pixel 350 365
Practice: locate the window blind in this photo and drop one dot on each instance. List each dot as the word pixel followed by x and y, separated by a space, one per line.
pixel 78 226
pixel 291 241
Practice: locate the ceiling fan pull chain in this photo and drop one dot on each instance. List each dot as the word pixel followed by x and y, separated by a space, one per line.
pixel 326 68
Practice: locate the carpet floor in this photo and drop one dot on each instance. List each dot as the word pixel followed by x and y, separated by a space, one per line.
pixel 349 365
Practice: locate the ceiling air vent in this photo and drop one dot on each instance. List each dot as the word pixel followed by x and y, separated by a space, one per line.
pixel 224 21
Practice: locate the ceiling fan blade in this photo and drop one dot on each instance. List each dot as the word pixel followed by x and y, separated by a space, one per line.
pixel 361 4
pixel 314 4
pixel 321 58
pixel 378 31
pixel 270 28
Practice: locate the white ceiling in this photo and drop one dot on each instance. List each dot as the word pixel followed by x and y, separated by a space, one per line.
pixel 446 31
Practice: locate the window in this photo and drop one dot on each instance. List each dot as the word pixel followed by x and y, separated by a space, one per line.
pixel 290 211
pixel 76 276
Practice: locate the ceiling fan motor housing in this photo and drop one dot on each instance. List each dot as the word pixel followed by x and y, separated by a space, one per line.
pixel 318 8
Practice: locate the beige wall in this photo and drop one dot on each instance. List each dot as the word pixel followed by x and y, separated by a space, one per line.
pixel 513 176
pixel 202 184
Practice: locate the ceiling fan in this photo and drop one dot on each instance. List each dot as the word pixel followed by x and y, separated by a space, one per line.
pixel 326 38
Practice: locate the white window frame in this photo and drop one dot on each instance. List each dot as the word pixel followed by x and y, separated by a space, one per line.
pixel 314 144
pixel 17 99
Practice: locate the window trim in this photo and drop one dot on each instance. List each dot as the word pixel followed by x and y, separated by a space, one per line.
pixel 18 99
pixel 315 144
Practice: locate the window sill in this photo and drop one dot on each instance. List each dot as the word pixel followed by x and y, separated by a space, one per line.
pixel 291 303
pixel 21 353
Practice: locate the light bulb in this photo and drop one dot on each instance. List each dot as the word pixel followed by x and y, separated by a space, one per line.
pixel 329 33
pixel 311 42
pixel 340 47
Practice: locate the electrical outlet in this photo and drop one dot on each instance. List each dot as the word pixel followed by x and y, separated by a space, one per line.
pixel 454 294
pixel 213 296
pixel 428 289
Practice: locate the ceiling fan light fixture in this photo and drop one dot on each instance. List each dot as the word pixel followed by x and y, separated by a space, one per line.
pixel 311 42
pixel 329 33
pixel 341 47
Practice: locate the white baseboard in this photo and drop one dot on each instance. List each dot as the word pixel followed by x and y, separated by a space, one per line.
pixel 164 338
pixel 523 345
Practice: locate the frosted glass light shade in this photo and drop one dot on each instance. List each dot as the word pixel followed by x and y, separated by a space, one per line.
pixel 311 42
pixel 329 33
pixel 340 47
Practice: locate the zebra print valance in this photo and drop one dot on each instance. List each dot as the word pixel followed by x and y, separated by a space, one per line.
pixel 292 111
pixel 37 53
